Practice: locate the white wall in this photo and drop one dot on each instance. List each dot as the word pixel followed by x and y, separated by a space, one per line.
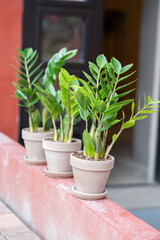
pixel 145 131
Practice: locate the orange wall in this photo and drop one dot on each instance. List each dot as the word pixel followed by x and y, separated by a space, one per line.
pixel 10 38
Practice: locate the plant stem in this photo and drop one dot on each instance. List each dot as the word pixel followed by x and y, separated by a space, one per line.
pixel 113 91
pixel 92 130
pixel 29 84
pixel 61 127
pixel 86 121
pixel 71 130
pixel 69 117
pixel 112 144
pixel 55 130
pixel 98 144
pixel 104 141
pixel 30 120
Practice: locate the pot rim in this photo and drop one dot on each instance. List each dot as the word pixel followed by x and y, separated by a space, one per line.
pixel 47 139
pixel 61 146
pixel 92 165
pixel 36 136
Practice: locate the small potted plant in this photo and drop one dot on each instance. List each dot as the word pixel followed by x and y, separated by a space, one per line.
pixel 100 100
pixel 26 93
pixel 61 104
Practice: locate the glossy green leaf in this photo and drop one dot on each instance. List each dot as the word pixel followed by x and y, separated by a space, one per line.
pixel 116 65
pixel 90 79
pixel 127 76
pixel 126 68
pixel 128 124
pixel 36 119
pixel 83 101
pixel 114 137
pixel 101 61
pixel 139 118
pixel 111 73
pixel 88 144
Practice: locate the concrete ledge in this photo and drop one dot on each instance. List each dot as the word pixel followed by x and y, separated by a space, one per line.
pixel 49 208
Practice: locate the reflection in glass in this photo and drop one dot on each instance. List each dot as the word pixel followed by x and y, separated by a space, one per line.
pixel 59 32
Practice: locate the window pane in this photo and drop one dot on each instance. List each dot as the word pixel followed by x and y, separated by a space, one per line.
pixel 62 31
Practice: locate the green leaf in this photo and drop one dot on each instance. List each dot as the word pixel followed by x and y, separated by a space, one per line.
pixel 34 101
pixel 87 88
pixel 33 62
pixel 45 102
pixel 114 137
pixel 36 119
pixel 23 83
pixel 84 114
pixel 36 69
pixel 132 108
pixel 147 111
pixel 139 118
pixel 37 77
pixel 111 73
pixel 139 106
pixel 21 95
pixel 101 61
pixel 116 65
pixel 21 52
pixel 94 67
pixel 88 144
pixel 90 79
pixel 126 68
pixel 82 100
pixel 104 87
pixel 127 76
pixel 128 124
pixel 125 85
pixel 27 52
pixel 99 107
pixel 108 125
pixel 124 94
pixel 149 100
pixel 48 124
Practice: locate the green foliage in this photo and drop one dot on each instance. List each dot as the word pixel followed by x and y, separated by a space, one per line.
pixel 28 74
pixel 59 103
pixel 101 97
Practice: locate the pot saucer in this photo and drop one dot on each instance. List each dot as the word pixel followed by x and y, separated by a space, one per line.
pixel 58 174
pixel 89 196
pixel 34 162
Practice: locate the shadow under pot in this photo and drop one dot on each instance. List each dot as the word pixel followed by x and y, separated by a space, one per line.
pixel 33 145
pixel 90 176
pixel 58 157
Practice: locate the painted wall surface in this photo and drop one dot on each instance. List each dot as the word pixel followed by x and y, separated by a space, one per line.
pixel 10 38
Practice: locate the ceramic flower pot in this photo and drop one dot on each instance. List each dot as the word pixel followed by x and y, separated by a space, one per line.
pixel 33 145
pixel 58 157
pixel 90 177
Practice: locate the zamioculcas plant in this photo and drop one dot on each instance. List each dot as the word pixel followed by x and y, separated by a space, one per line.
pixel 62 106
pixel 55 101
pixel 25 89
pixel 29 73
pixel 101 98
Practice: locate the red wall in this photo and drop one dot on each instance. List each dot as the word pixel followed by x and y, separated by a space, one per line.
pixel 10 38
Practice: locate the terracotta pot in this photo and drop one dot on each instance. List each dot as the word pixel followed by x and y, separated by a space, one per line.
pixel 33 145
pixel 58 156
pixel 90 176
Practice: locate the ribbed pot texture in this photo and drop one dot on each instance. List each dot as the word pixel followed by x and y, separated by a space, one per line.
pixel 58 154
pixel 91 176
pixel 33 143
